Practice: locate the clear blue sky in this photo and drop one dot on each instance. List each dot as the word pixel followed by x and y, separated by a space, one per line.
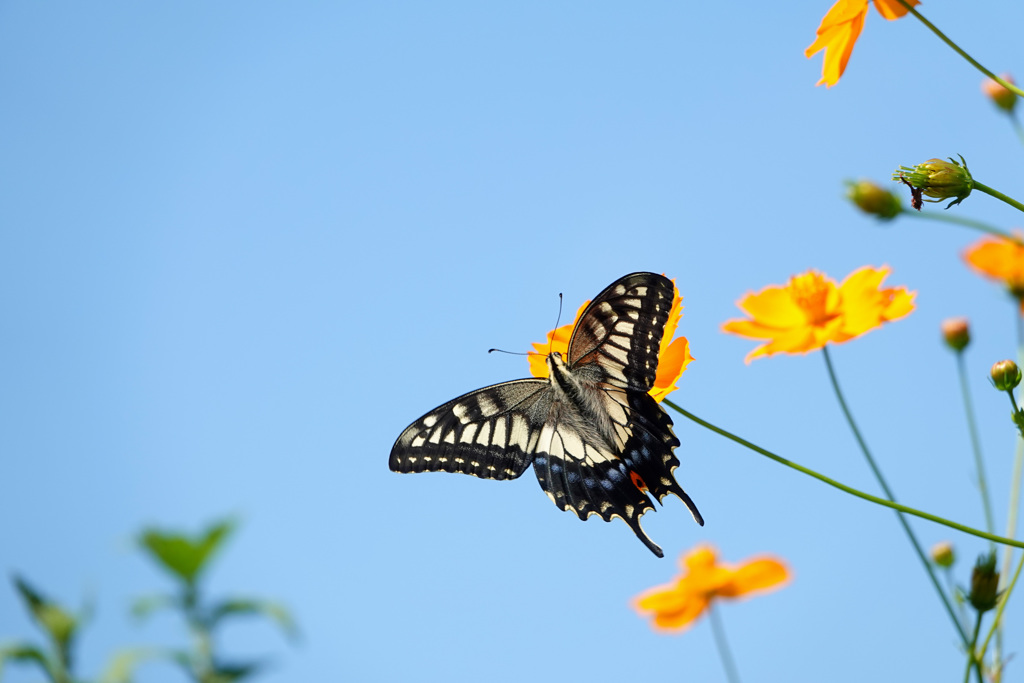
pixel 244 244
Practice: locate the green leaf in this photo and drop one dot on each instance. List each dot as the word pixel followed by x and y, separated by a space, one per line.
pixel 58 623
pixel 144 606
pixel 21 652
pixel 183 556
pixel 275 611
pixel 122 666
pixel 230 673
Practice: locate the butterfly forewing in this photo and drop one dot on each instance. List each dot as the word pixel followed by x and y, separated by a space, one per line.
pixel 489 433
pixel 620 331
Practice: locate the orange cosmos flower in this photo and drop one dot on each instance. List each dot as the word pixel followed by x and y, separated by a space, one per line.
pixel 676 606
pixel 1001 260
pixel 812 311
pixel 673 357
pixel 840 29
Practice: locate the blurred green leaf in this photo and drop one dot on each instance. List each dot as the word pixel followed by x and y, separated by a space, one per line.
pixel 123 665
pixel 144 606
pixel 276 612
pixel 55 621
pixel 230 673
pixel 21 652
pixel 181 555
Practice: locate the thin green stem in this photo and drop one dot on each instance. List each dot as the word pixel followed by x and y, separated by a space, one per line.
pixel 1017 128
pixel 981 187
pixel 1003 599
pixel 972 427
pixel 951 587
pixel 942 36
pixel 971 657
pixel 843 487
pixel 723 646
pixel 888 492
pixel 1015 486
pixel 967 222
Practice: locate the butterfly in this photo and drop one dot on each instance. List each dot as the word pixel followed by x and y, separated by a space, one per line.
pixel 598 442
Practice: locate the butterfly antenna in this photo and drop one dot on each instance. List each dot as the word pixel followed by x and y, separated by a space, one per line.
pixel 551 344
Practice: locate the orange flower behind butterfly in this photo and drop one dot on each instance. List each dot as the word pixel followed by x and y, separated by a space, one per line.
pixel 673 356
pixel 840 29
pixel 1001 260
pixel 811 311
pixel 675 606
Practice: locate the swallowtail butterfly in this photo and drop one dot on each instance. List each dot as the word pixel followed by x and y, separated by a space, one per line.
pixel 598 442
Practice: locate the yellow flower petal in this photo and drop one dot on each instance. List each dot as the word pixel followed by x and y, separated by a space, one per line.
pixel 772 306
pixel 755 576
pixel 893 9
pixel 671 365
pixel 837 35
pixel 1001 260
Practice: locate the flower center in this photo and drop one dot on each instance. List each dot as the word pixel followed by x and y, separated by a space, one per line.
pixel 810 292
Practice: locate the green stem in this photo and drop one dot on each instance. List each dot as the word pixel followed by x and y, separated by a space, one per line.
pixel 723 646
pixel 1017 128
pixel 970 223
pixel 972 427
pixel 942 36
pixel 1003 599
pixel 971 657
pixel 951 587
pixel 843 487
pixel 997 194
pixel 1015 486
pixel 888 492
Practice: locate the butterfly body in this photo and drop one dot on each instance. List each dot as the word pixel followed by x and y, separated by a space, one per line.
pixel 598 442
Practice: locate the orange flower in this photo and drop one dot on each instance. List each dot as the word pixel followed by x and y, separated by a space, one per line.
pixel 1001 260
pixel 1000 96
pixel 840 29
pixel 673 356
pixel 677 605
pixel 812 311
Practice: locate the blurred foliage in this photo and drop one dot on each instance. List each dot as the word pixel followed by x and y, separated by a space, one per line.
pixel 185 558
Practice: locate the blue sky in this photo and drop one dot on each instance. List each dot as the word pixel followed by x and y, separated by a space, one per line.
pixel 243 245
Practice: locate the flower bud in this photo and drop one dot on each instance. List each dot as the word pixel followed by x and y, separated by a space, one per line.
pixel 943 555
pixel 956 333
pixel 938 179
pixel 1000 96
pixel 984 593
pixel 871 198
pixel 1005 375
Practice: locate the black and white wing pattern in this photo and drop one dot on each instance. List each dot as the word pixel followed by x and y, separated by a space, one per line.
pixel 597 440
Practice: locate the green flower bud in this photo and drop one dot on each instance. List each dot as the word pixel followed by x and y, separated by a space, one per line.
pixel 1000 96
pixel 1005 375
pixel 943 555
pixel 984 593
pixel 957 333
pixel 873 199
pixel 938 179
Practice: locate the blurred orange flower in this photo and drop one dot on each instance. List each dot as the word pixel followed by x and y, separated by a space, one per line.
pixel 840 29
pixel 677 605
pixel 1001 260
pixel 673 356
pixel 812 311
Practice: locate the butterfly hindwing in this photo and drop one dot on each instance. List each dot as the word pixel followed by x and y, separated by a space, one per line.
pixel 588 479
pixel 489 433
